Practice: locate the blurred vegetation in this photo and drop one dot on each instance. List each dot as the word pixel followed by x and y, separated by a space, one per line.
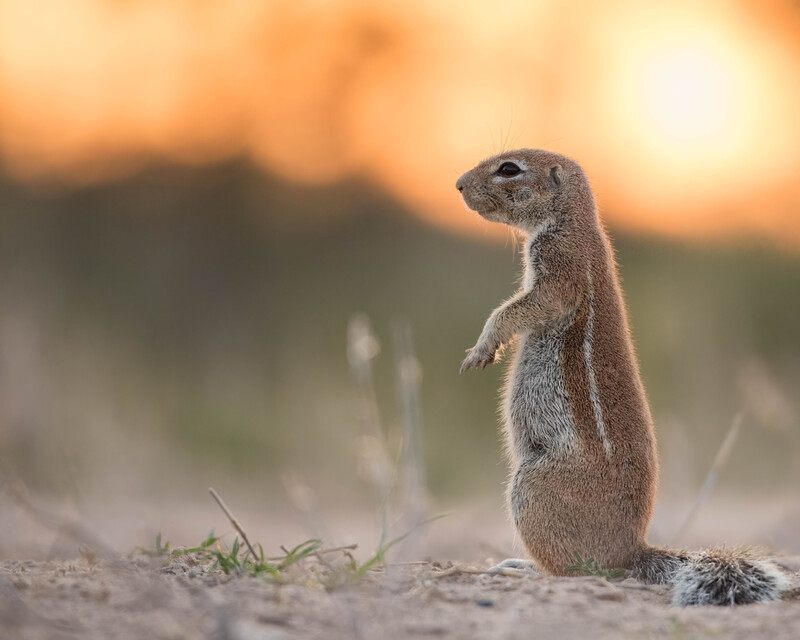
pixel 186 324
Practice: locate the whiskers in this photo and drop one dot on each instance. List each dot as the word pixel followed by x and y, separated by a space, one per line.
pixel 507 138
pixel 515 238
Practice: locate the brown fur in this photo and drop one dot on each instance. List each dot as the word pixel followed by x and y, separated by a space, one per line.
pixel 588 502
pixel 579 434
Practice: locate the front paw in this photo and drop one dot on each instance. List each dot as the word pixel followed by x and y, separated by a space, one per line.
pixel 479 356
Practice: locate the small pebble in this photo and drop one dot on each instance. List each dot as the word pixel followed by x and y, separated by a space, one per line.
pixel 611 596
pixel 484 603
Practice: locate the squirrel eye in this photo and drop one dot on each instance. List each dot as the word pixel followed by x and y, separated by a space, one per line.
pixel 509 169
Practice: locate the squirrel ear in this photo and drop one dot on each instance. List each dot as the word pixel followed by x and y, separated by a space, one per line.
pixel 556 176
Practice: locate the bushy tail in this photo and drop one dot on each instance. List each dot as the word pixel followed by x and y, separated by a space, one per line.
pixel 716 576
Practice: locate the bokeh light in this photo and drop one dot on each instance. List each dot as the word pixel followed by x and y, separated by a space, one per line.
pixel 684 114
pixel 687 94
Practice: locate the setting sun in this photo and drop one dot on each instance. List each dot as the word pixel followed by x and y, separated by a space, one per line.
pixel 666 105
pixel 687 93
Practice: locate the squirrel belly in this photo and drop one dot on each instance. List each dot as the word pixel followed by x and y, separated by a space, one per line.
pixel 578 430
pixel 572 489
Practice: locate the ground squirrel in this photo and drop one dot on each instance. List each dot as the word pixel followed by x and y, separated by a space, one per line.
pixel 578 428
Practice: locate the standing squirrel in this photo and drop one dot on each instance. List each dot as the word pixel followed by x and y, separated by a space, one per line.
pixel 578 428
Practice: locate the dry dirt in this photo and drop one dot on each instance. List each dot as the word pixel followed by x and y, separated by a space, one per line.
pixel 178 598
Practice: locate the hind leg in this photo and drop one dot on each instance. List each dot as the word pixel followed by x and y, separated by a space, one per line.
pixel 561 510
pixel 536 517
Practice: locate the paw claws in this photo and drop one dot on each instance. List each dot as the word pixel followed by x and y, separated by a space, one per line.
pixel 474 360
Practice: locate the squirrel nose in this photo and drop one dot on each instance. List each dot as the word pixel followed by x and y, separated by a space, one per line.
pixel 462 182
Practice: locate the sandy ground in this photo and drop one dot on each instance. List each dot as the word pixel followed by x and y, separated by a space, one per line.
pixel 67 594
pixel 178 598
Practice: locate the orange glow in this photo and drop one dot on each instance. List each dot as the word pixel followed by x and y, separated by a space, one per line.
pixel 687 93
pixel 684 114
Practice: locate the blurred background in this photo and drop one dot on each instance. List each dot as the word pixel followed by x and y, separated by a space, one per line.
pixel 232 255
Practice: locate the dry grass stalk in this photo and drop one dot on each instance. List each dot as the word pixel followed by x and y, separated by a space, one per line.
pixel 374 460
pixel 320 552
pixel 409 379
pixel 504 571
pixel 233 520
pixel 71 528
pixel 720 461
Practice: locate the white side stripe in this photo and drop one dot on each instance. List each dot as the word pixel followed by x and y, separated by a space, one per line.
pixel 594 395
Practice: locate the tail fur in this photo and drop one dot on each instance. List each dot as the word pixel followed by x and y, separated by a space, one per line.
pixel 716 576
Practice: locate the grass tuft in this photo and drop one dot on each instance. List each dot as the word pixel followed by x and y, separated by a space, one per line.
pixel 238 561
pixel 159 549
pixel 589 567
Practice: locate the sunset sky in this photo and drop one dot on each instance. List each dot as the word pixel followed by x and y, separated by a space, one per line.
pixel 685 115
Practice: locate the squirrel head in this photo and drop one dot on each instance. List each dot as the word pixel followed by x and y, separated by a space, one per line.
pixel 523 188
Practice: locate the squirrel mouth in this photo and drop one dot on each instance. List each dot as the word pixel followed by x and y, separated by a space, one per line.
pixel 482 206
pixel 486 209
